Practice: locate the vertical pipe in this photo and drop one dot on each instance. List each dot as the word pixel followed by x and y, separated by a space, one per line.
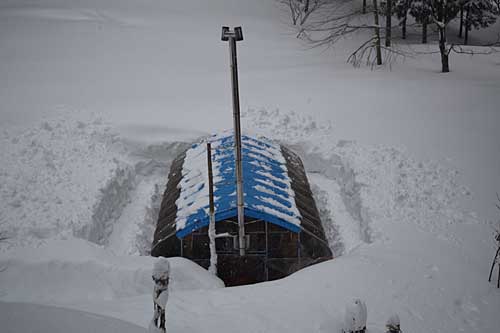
pixel 267 251
pixel 237 145
pixel 299 252
pixel 211 226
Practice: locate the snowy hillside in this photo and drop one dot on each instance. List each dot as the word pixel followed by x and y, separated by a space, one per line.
pixel 100 96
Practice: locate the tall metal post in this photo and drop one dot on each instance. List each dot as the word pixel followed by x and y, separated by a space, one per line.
pixel 233 36
pixel 211 226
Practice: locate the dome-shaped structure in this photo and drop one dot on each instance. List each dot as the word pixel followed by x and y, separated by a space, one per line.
pixel 282 225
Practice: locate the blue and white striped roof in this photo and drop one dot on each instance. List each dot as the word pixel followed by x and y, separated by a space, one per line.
pixel 268 193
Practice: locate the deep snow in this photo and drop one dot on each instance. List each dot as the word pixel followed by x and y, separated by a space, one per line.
pixel 404 165
pixel 31 318
pixel 404 245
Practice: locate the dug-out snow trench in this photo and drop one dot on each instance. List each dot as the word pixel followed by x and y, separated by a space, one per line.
pixel 125 213
pixel 337 194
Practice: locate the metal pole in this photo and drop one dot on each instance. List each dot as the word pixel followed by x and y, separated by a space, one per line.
pixel 211 226
pixel 232 37
pixel 267 251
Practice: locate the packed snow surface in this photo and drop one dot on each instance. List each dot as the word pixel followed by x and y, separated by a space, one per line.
pixel 31 318
pixel 100 96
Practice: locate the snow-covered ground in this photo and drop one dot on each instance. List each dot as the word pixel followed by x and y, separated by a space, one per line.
pixel 45 318
pixel 98 97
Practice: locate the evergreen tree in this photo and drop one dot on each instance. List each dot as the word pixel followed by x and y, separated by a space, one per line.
pixel 479 14
pixel 401 9
pixel 442 13
pixel 387 9
pixel 421 11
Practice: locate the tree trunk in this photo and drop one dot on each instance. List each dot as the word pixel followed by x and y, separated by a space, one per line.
pixel 467 27
pixel 388 23
pixel 306 7
pixel 424 31
pixel 403 27
pixel 364 7
pixel 445 67
pixel 461 21
pixel 377 33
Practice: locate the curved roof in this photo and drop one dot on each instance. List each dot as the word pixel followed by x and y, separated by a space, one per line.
pixel 267 187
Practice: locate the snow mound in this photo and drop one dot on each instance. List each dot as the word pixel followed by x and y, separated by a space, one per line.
pixel 73 176
pixel 360 187
pixel 53 176
pixel 289 127
pixel 161 269
pixel 67 271
pixel 355 316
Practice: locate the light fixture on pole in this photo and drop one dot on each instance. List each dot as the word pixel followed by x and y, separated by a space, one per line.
pixel 232 36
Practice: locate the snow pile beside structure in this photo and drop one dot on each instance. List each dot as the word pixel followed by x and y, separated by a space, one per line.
pixel 74 270
pixel 53 178
pixel 73 175
pixel 360 186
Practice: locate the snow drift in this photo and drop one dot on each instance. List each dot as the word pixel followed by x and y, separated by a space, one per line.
pixel 68 271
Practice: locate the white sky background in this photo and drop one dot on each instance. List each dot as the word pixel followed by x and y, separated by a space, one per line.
pixel 156 65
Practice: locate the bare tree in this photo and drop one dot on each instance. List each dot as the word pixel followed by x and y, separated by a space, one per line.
pixel 388 22
pixel 333 20
pixel 377 33
pixel 300 10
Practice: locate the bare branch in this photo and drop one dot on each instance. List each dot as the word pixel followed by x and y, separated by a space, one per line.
pixel 357 56
pixel 471 51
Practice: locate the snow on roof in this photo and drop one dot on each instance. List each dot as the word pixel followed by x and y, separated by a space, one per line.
pixel 268 193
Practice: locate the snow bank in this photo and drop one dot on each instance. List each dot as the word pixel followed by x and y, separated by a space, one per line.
pixel 72 175
pixel 53 178
pixel 359 187
pixel 74 270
